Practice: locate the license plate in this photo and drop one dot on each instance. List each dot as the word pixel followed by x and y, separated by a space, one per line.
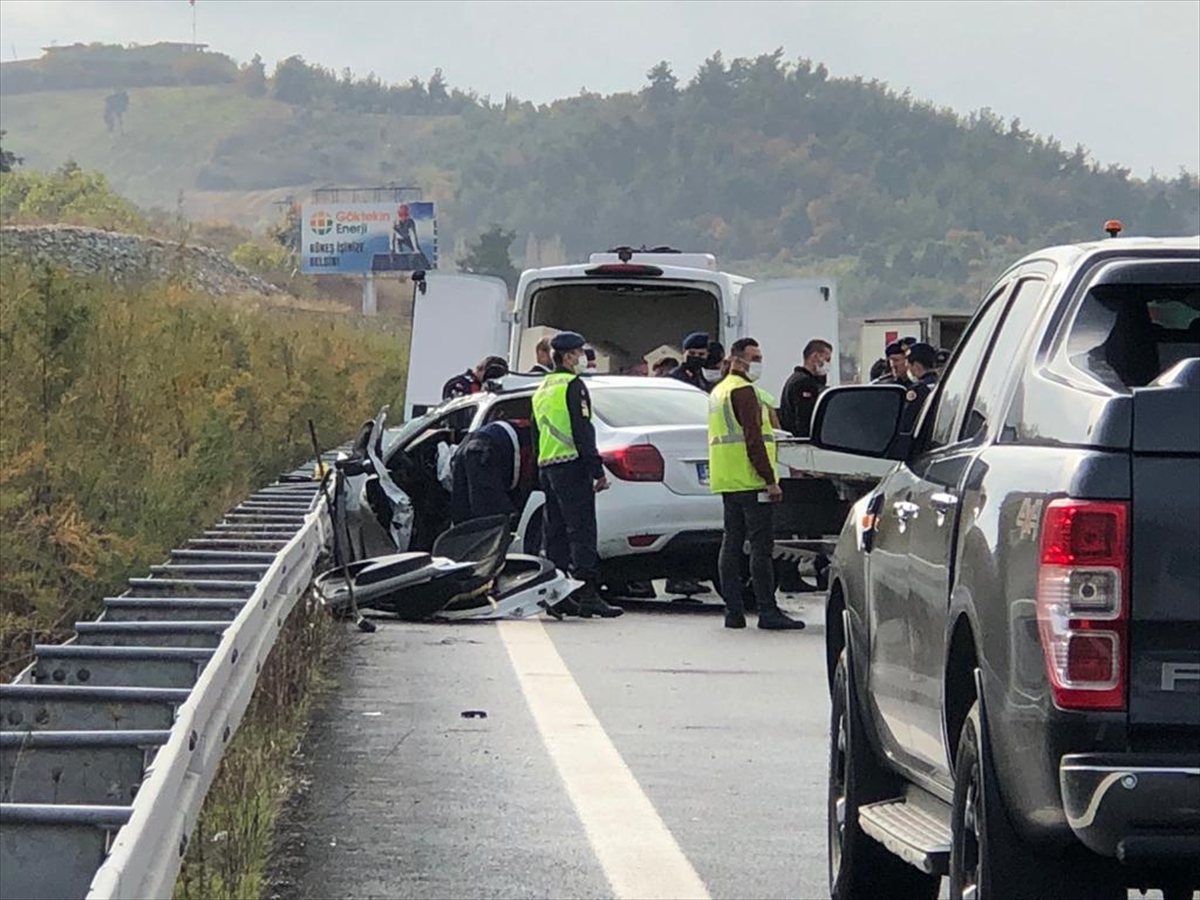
pixel 702 472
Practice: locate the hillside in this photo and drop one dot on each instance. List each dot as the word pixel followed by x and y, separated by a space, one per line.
pixel 772 165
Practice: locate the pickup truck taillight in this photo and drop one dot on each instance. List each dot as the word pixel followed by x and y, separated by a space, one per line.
pixel 1082 607
pixel 637 462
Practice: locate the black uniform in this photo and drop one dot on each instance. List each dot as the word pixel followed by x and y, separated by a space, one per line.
pixel 569 520
pixel 487 472
pixel 693 375
pixel 797 400
pixel 915 399
pixel 461 385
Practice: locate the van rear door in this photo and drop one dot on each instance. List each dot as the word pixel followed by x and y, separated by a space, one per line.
pixel 459 320
pixel 783 316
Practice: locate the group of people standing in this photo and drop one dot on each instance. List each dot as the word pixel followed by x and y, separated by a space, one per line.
pixel 559 443
pixel 915 366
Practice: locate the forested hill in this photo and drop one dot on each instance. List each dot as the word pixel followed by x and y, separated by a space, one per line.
pixel 768 163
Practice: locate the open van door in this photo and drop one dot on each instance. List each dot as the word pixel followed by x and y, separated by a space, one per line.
pixel 459 320
pixel 783 316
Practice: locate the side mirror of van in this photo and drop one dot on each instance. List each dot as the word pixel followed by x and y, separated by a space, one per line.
pixel 861 419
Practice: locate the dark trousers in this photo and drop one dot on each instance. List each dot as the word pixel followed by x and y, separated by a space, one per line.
pixel 480 482
pixel 569 520
pixel 746 519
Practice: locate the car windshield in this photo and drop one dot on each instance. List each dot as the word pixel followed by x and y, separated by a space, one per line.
pixel 622 407
pixel 393 436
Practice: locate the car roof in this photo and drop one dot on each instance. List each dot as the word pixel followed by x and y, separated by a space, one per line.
pixel 1070 254
pixel 521 384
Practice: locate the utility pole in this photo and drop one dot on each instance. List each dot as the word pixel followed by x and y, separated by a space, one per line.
pixel 192 3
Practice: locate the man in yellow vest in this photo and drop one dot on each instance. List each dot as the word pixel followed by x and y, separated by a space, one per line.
pixel 570 472
pixel 741 467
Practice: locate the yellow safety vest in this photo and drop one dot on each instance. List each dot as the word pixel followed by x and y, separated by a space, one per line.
pixel 729 466
pixel 556 443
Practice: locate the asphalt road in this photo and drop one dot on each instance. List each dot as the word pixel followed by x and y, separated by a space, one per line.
pixel 657 753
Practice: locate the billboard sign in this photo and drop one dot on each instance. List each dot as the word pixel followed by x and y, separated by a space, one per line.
pixel 368 237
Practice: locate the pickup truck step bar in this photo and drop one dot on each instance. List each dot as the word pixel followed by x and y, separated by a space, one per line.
pixel 915 829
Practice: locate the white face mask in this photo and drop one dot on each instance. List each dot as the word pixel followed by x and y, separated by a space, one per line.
pixel 581 364
pixel 712 376
pixel 754 371
pixel 822 368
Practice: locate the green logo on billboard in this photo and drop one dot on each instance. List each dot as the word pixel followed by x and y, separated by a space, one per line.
pixel 320 222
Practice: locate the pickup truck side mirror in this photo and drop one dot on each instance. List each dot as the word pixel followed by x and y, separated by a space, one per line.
pixel 861 419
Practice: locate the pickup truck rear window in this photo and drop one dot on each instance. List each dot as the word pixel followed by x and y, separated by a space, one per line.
pixel 1126 335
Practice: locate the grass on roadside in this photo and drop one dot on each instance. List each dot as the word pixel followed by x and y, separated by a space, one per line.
pixel 231 844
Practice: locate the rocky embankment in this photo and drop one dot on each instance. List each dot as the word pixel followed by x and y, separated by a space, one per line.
pixel 128 257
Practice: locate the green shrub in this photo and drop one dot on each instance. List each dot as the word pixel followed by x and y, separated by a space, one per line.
pixel 69 196
pixel 132 417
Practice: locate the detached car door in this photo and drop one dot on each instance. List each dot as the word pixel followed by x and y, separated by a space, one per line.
pixel 457 321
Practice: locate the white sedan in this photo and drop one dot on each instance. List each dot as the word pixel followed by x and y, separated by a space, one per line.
pixel 658 519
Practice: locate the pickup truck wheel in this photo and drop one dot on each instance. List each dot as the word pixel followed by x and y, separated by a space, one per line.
pixel 859 866
pixel 987 858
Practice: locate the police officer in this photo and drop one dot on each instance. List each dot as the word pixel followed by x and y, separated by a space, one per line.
pixel 491 472
pixel 897 360
pixel 570 472
pixel 473 380
pixel 741 462
pixel 922 366
pixel 695 356
pixel 803 386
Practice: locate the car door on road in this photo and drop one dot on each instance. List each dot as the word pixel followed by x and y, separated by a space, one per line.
pixel 896 628
pixel 955 429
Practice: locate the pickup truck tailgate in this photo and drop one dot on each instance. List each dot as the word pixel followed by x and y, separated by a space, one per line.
pixel 1164 645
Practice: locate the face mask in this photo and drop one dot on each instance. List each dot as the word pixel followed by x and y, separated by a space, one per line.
pixel 822 369
pixel 754 371
pixel 693 363
pixel 712 376
pixel 581 364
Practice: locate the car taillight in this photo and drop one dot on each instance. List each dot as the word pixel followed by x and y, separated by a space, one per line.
pixel 1082 610
pixel 639 462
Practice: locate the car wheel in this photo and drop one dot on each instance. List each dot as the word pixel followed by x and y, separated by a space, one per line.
pixel 859 866
pixel 987 857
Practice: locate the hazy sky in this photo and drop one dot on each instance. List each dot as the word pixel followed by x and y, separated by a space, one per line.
pixel 1122 78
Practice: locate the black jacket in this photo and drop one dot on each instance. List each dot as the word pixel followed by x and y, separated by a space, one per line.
pixel 579 407
pixel 798 399
pixel 915 399
pixel 461 385
pixel 694 377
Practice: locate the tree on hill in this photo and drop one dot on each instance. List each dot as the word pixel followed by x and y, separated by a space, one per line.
pixel 294 81
pixel 115 106
pixel 662 90
pixel 252 77
pixel 489 256
pixel 8 159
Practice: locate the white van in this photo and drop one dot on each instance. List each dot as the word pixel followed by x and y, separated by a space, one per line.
pixel 626 303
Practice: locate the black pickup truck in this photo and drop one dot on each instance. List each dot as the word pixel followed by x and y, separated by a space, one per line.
pixel 1013 617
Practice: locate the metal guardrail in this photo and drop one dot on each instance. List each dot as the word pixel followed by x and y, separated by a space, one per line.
pixel 108 743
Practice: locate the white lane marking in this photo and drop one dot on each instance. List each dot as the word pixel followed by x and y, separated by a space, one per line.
pixel 637 852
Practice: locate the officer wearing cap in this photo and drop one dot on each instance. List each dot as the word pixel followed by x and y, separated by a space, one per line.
pixel 695 356
pixel 922 365
pixel 897 360
pixel 570 471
